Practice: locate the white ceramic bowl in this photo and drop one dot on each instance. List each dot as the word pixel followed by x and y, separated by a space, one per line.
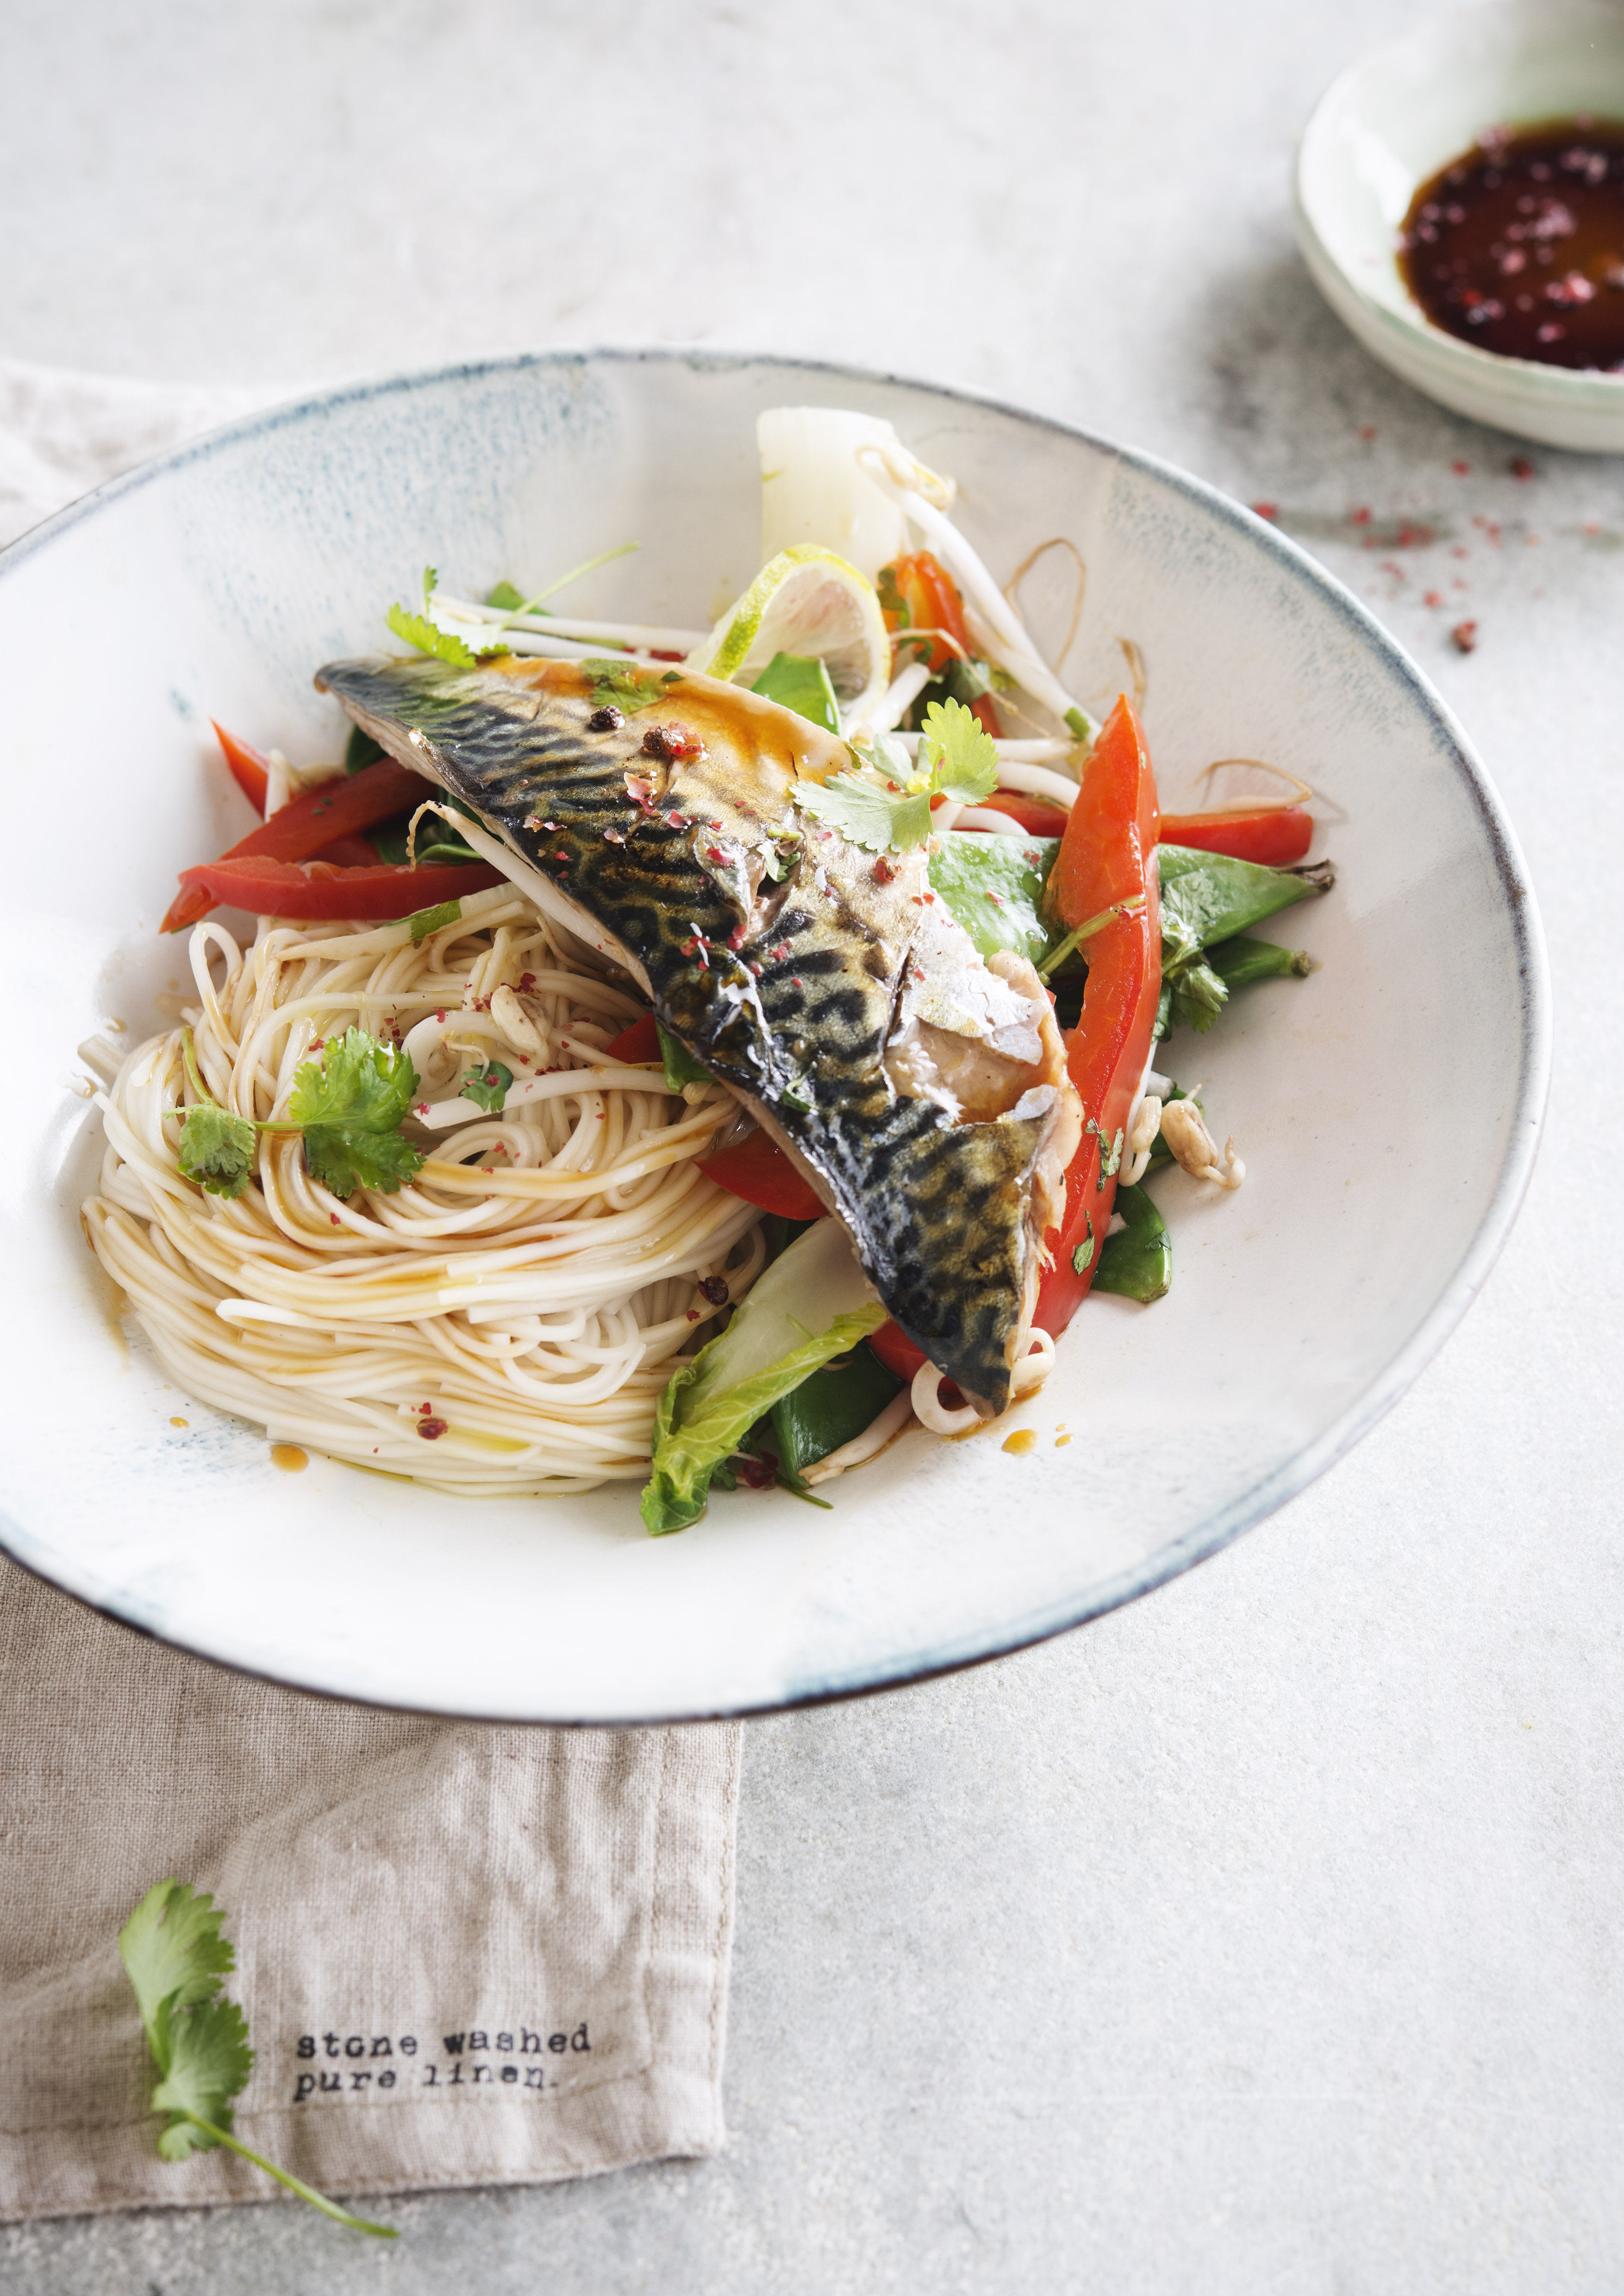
pixel 1387 1107
pixel 1395 119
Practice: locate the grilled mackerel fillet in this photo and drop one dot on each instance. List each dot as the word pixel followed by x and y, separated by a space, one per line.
pixel 921 1089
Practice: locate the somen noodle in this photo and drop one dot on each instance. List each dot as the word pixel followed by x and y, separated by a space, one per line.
pixel 503 1323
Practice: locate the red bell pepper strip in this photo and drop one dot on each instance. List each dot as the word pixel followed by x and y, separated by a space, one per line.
pixel 315 891
pixel 896 1350
pixel 933 603
pixel 757 1170
pixel 1036 816
pixel 308 823
pixel 640 1042
pixel 1106 859
pixel 350 853
pixel 1275 835
pixel 250 772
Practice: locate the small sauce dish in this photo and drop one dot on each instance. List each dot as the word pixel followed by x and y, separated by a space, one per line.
pixel 1393 119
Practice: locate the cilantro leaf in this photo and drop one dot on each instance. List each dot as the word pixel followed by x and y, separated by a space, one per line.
pixel 175 1955
pixel 960 753
pixel 488 1087
pixel 874 808
pixel 350 1111
pixel 868 813
pixel 428 637
pixel 363 1084
pixel 506 597
pixel 209 2062
pixel 628 684
pixel 344 1161
pixel 217 1149
pixel 173 1951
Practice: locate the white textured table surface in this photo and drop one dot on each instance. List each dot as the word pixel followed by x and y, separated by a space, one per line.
pixel 1265 1936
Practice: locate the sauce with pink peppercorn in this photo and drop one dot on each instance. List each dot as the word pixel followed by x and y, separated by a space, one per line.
pixel 1518 245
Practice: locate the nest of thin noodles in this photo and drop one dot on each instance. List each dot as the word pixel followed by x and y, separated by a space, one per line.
pixel 505 1323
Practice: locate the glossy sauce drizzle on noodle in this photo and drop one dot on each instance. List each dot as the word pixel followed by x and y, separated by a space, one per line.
pixel 504 1324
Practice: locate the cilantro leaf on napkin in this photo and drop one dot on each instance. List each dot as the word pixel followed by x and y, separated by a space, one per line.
pixel 175 1955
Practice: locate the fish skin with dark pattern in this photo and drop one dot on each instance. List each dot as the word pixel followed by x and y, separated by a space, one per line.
pixel 659 804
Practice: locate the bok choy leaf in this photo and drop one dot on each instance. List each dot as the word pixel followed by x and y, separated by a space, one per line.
pixel 813 1303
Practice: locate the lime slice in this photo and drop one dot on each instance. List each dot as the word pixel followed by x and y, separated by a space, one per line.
pixel 806 601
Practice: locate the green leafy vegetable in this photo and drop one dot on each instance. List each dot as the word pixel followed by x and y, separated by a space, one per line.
pixel 625 684
pixel 437 840
pixel 424 922
pixel 351 1110
pixel 175 1955
pixel 680 1066
pixel 994 887
pixel 1208 900
pixel 813 1303
pixel 1194 996
pixel 1136 1262
pixel 831 1408
pixel 361 750
pixel 488 1087
pixel 800 683
pixel 779 859
pixel 217 1149
pixel 505 596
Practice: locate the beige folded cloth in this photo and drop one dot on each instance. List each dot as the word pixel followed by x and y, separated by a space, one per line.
pixel 467 1955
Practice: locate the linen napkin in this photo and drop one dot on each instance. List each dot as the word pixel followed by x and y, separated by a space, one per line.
pixel 467 1955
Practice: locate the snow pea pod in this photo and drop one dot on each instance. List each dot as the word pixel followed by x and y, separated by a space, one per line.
pixel 1136 1262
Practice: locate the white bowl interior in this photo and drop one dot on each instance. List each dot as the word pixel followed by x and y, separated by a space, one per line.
pixel 1387 1106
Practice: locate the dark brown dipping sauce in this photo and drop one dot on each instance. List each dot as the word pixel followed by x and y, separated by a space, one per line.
pixel 1518 246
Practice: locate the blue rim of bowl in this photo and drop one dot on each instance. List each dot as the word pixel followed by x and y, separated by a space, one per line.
pixel 1311 1460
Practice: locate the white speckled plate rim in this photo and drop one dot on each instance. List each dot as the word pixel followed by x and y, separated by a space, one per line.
pixel 1311 1458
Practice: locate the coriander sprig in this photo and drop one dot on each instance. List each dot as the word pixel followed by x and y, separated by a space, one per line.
pixel 175 1955
pixel 349 1109
pixel 957 758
